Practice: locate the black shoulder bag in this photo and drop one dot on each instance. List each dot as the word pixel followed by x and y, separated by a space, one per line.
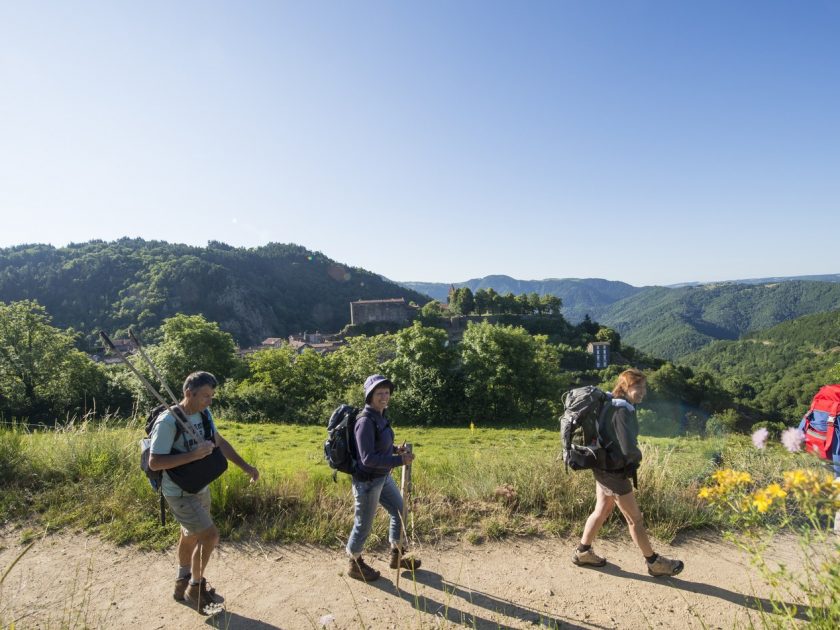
pixel 196 475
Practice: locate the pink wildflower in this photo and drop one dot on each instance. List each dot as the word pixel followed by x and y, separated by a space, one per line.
pixel 759 438
pixel 793 439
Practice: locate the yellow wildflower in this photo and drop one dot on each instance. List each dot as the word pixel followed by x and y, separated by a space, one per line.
pixel 775 490
pixel 763 499
pixel 728 478
pixel 762 502
pixel 809 482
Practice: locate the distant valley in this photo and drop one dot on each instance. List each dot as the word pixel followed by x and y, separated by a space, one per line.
pixel 670 322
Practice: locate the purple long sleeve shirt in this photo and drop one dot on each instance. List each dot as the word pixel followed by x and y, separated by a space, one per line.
pixel 375 443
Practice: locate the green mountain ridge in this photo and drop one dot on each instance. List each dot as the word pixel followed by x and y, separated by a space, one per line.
pixel 253 293
pixel 278 289
pixel 672 323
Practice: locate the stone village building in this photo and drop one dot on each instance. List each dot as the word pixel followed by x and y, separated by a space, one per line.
pixel 601 351
pixel 391 310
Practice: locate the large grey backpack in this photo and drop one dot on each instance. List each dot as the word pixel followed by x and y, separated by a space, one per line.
pixel 579 427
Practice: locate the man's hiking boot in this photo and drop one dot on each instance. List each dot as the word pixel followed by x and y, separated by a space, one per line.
pixel 588 558
pixel 359 570
pixel 199 597
pixel 663 566
pixel 406 562
pixel 181 585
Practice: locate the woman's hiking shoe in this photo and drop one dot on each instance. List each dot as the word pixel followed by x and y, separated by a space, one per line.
pixel 588 558
pixel 199 597
pixel 181 585
pixel 405 562
pixel 663 566
pixel 359 570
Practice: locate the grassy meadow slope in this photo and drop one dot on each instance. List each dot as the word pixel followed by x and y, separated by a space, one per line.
pixel 481 483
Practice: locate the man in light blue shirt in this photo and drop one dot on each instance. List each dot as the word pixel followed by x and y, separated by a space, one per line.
pixel 173 446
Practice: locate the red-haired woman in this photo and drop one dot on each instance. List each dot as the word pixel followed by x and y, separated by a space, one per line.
pixel 619 433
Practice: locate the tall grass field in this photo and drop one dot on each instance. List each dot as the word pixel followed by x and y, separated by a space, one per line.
pixel 477 483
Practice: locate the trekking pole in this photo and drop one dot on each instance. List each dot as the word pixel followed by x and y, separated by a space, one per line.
pixel 175 402
pixel 185 426
pixel 148 361
pixel 405 491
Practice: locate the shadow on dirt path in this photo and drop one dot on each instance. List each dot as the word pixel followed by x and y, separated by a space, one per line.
pixel 490 603
pixel 754 603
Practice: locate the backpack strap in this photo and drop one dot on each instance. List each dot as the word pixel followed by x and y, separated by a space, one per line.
pixel 363 413
pixel 205 423
pixel 620 402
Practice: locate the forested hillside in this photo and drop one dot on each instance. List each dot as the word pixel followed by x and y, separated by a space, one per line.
pixel 671 323
pixel 778 370
pixel 580 296
pixel 252 293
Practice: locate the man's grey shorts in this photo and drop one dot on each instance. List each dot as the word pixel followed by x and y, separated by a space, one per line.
pixel 192 511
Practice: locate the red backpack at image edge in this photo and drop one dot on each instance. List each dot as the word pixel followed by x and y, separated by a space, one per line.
pixel 820 423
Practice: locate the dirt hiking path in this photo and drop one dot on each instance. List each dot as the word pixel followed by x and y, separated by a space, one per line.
pixel 78 581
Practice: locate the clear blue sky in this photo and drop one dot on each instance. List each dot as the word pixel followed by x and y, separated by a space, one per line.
pixel 649 142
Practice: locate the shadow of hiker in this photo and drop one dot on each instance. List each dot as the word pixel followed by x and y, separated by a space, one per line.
pixel 432 607
pixel 747 601
pixel 476 598
pixel 232 621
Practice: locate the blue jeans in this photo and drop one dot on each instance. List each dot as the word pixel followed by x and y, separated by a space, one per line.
pixel 368 494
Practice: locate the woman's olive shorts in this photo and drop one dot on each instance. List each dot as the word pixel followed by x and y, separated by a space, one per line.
pixel 614 485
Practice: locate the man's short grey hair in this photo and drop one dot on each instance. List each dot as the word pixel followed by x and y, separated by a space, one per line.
pixel 197 380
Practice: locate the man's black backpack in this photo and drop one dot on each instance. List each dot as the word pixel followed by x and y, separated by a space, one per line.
pixel 155 477
pixel 579 427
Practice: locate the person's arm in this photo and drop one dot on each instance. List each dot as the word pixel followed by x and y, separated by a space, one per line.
pixel 366 445
pixel 173 460
pixel 626 439
pixel 163 437
pixel 230 453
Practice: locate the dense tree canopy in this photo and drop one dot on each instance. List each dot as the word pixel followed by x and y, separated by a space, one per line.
pixel 776 372
pixel 496 372
pixel 42 375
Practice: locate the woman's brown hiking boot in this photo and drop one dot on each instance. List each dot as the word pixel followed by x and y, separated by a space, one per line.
pixel 360 571
pixel 663 566
pixel 405 561
pixel 588 558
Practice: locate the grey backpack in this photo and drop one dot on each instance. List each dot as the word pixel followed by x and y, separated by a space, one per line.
pixel 579 433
